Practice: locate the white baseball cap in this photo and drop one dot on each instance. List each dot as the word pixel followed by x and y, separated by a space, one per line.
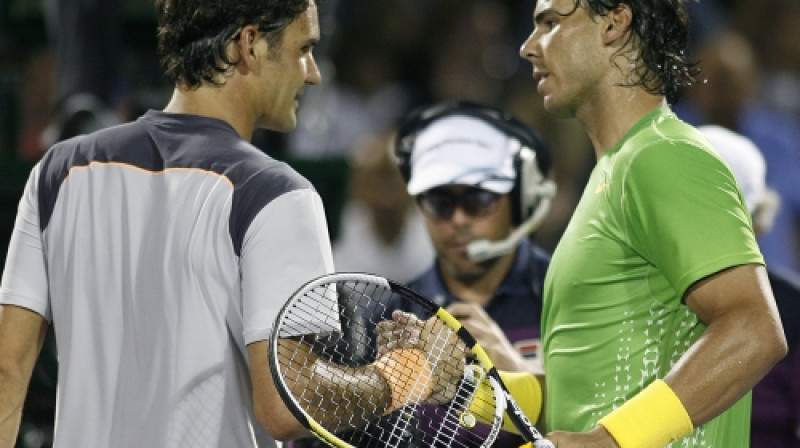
pixel 745 160
pixel 462 150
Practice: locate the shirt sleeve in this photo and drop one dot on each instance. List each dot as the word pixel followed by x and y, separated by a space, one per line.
pixel 24 280
pixel 286 245
pixel 685 213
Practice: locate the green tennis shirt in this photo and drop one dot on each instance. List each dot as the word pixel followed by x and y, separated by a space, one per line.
pixel 660 212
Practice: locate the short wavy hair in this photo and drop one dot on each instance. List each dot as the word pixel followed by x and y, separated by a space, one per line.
pixel 193 34
pixel 660 31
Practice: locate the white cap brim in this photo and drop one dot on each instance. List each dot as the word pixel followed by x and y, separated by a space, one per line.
pixel 462 150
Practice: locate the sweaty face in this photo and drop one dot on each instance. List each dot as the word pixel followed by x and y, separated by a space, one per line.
pixel 566 51
pixel 450 235
pixel 287 71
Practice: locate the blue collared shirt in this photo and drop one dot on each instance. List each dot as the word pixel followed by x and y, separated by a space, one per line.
pixel 516 305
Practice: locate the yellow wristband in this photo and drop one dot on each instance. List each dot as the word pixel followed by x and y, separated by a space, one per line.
pixel 524 387
pixel 653 418
pixel 408 374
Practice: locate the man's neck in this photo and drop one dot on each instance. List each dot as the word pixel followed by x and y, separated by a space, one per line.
pixel 214 102
pixel 609 119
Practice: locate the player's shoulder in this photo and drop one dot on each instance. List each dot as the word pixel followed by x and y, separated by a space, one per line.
pixel 666 146
pixel 105 145
pixel 257 170
pixel 664 135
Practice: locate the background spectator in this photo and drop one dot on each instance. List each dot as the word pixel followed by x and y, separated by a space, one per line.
pixel 380 230
pixel 730 95
pixel 776 398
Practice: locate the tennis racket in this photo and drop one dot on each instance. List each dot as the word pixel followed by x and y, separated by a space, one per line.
pixel 342 338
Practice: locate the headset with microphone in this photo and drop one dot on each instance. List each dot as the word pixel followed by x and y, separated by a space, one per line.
pixel 532 192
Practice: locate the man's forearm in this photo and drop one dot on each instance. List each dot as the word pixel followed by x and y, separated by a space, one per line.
pixel 361 395
pixel 22 334
pixel 12 397
pixel 715 373
pixel 742 341
pixel 724 364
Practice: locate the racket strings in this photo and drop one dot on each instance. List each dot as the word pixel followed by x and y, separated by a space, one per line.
pixel 332 320
pixel 314 320
pixel 337 322
pixel 458 423
pixel 452 420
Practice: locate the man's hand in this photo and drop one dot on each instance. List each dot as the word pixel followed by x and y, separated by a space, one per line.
pixel 596 438
pixel 492 338
pixel 444 350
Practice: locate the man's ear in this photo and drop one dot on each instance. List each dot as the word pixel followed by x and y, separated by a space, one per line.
pixel 248 37
pixel 617 23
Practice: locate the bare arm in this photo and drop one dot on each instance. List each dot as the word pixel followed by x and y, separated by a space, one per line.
pixel 21 336
pixel 335 380
pixel 361 393
pixel 268 405
pixel 743 340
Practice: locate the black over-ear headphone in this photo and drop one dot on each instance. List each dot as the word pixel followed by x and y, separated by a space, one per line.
pixel 531 159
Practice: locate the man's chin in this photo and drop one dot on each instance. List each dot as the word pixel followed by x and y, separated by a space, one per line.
pixel 556 109
pixel 469 271
pixel 284 127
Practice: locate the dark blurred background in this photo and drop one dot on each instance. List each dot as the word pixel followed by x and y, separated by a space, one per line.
pixel 379 59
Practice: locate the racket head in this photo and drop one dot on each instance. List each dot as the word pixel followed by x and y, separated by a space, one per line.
pixel 333 319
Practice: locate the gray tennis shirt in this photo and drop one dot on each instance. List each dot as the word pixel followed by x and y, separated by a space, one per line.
pixel 159 249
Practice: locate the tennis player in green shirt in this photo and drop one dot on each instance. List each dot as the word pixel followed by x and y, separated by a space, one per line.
pixel 658 317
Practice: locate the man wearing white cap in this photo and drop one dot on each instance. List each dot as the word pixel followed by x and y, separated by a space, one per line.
pixel 479 178
pixel 776 417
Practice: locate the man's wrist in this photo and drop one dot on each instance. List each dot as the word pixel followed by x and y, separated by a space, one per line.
pixel 653 418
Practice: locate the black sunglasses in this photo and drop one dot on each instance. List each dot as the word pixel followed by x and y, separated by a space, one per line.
pixel 440 203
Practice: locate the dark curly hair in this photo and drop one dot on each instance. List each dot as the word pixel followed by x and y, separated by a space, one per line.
pixel 660 30
pixel 193 34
